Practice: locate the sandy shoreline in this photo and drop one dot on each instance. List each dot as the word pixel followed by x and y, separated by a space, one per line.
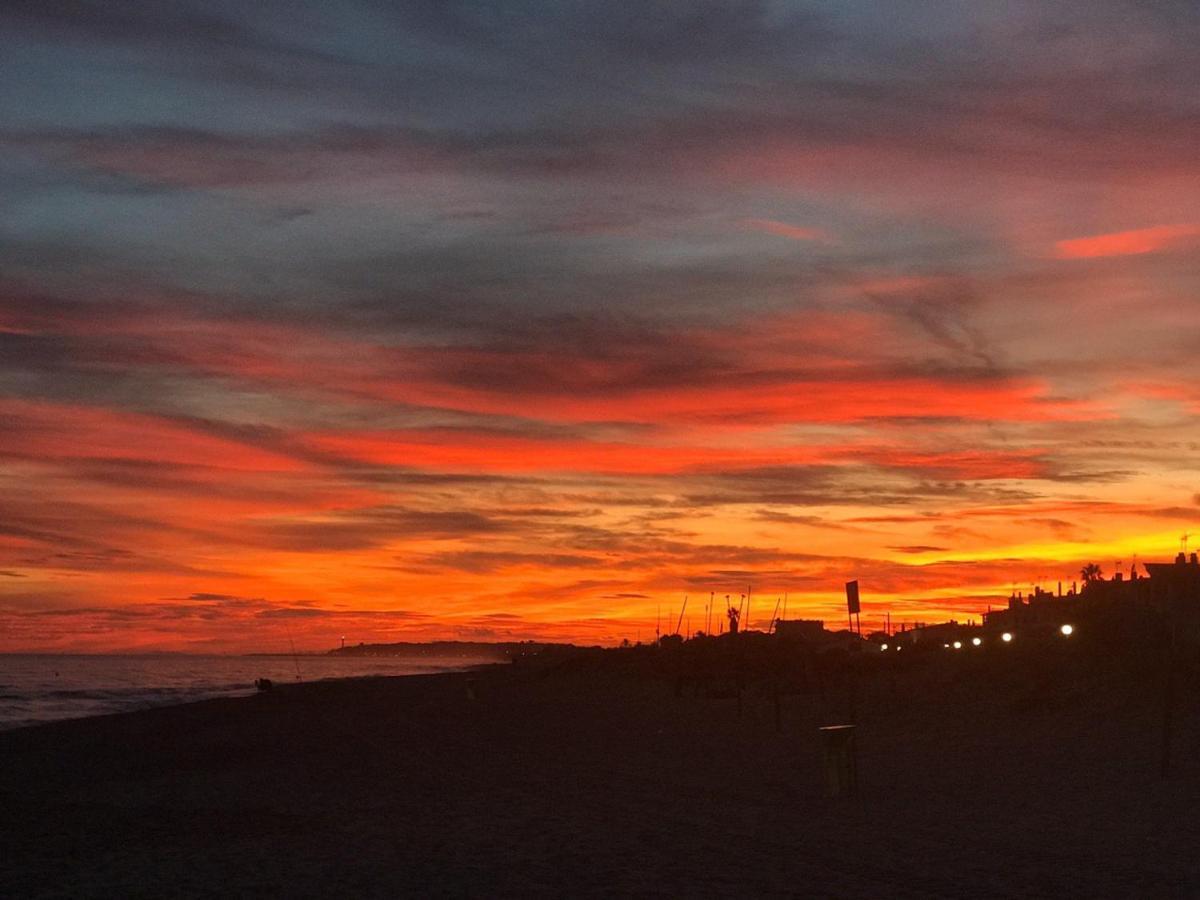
pixel 588 778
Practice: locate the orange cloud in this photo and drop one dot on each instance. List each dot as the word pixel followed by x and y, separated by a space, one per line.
pixel 830 401
pixel 1126 243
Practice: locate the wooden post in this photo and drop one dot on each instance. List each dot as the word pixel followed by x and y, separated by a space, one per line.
pixel 740 664
pixel 841 760
pixel 1168 689
pixel 1168 702
pixel 852 677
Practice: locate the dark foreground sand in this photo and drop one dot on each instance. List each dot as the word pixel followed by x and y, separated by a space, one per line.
pixel 980 779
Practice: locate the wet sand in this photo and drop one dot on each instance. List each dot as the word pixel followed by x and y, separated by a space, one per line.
pixel 981 779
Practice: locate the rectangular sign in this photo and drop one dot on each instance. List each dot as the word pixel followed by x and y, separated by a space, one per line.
pixel 852 597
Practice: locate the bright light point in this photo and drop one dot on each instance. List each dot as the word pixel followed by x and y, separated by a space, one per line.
pixel 958 645
pixel 883 646
pixel 976 641
pixel 1006 637
pixel 947 646
pixel 1067 630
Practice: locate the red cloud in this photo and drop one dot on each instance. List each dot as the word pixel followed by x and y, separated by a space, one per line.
pixel 466 451
pixel 1126 243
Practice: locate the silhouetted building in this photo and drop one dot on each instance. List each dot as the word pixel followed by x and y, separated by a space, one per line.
pixel 1179 580
pixel 934 635
pixel 1041 611
pixel 800 629
pixel 1170 588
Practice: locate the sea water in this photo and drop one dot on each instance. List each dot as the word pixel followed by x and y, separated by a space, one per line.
pixel 37 688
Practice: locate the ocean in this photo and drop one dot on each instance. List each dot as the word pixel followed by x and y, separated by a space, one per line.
pixel 38 688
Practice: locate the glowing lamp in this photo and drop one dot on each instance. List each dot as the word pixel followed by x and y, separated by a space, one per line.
pixel 883 646
pixel 1006 637
pixel 958 645
pixel 976 641
pixel 1067 630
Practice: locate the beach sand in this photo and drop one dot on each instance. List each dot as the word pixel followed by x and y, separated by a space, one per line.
pixel 980 778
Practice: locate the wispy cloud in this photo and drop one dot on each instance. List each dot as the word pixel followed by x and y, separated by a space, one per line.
pixel 1128 243
pixel 784 230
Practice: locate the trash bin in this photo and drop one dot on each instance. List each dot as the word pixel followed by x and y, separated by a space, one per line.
pixel 841 760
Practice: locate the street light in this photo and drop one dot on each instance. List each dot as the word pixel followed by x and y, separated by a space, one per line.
pixel 1006 637
pixel 1067 630
pixel 976 641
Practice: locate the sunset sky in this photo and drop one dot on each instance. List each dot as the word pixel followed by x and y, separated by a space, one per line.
pixel 434 319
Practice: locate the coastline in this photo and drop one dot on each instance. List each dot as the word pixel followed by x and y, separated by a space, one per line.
pixel 588 773
pixel 41 688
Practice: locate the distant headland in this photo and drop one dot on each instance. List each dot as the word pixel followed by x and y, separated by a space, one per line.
pixel 448 649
